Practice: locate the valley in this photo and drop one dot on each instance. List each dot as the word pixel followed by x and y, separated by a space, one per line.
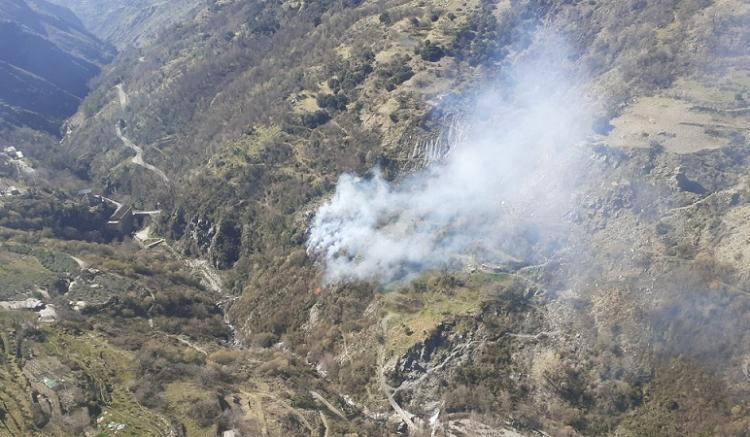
pixel 360 218
pixel 46 59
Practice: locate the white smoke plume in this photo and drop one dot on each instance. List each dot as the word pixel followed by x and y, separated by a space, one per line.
pixel 508 175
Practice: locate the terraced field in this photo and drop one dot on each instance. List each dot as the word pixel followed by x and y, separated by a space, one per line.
pixel 16 411
pixel 48 374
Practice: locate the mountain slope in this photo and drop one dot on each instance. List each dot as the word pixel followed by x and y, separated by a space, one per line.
pixel 47 60
pixel 129 23
pixel 615 305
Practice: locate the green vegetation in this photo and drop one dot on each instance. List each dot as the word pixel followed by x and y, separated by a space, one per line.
pixel 146 356
pixel 334 101
pixel 396 72
pixel 413 313
pixel 20 275
pixel 254 109
pixel 315 119
pixel 430 52
pixel 58 212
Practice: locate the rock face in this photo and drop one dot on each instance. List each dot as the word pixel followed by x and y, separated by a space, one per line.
pixel 26 304
pixel 219 243
pixel 47 312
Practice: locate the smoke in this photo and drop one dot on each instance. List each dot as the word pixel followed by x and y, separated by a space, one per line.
pixel 492 198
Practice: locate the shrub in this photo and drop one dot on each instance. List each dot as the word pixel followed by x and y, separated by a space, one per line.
pixel 312 120
pixel 263 339
pixel 205 413
pixel 431 52
pixel 347 74
pixel 336 102
pixel 481 40
pixel 279 366
pixel 148 393
pixel 395 73
pixel 224 356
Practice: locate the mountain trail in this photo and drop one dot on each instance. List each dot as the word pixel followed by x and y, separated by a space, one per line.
pixel 122 96
pixel 182 339
pixel 81 263
pixel 138 158
pixel 327 404
pixel 406 417
pixel 325 424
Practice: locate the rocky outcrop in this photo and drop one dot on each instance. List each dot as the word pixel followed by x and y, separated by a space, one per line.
pixel 219 243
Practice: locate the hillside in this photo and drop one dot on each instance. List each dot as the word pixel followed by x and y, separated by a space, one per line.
pixel 390 218
pixel 46 61
pixel 131 23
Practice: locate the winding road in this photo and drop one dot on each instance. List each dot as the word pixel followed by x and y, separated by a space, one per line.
pixel 122 96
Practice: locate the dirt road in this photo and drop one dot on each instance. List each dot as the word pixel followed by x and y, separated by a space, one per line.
pixel 122 96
